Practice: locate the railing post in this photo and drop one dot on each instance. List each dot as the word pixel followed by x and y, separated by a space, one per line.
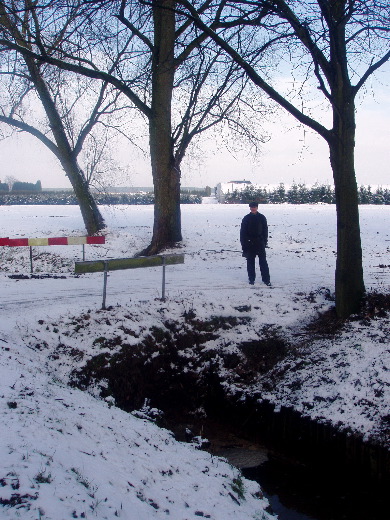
pixel 104 285
pixel 31 260
pixel 163 279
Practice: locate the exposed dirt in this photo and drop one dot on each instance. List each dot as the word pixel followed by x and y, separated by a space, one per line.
pixel 172 368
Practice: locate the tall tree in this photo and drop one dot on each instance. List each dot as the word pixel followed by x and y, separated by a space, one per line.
pixel 165 170
pixel 336 45
pixel 150 45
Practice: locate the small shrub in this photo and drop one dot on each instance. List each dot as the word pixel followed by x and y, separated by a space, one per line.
pixel 42 478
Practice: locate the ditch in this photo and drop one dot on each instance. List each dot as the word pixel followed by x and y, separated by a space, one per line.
pixel 307 470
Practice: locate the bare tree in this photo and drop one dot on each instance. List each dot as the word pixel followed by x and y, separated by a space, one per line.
pixel 33 77
pixel 143 56
pixel 102 169
pixel 10 180
pixel 334 47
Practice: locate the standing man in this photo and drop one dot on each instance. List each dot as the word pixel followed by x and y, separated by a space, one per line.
pixel 254 238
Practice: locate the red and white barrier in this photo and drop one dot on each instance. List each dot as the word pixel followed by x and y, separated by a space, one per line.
pixel 52 241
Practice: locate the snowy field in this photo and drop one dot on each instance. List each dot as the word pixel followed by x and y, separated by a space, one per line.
pixel 66 454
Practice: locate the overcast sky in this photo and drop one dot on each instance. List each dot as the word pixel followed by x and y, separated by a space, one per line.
pixel 292 154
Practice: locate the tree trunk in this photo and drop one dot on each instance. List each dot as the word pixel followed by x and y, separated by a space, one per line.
pixel 90 212
pixel 349 283
pixel 93 219
pixel 165 171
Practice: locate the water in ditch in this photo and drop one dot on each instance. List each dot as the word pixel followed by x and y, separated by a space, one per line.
pixel 305 493
pixel 302 491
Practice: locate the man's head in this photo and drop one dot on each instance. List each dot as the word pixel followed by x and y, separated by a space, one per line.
pixel 253 207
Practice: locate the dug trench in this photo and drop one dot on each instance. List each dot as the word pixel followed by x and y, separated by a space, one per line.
pixel 308 469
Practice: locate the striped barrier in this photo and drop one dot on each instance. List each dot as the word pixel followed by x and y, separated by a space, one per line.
pixel 51 241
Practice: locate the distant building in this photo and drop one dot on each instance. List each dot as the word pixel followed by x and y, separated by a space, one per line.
pixel 223 188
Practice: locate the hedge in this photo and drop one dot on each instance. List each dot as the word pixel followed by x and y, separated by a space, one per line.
pixel 301 194
pixel 68 198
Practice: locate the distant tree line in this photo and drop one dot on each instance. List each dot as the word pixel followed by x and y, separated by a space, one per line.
pixel 18 186
pixel 301 194
pixel 204 192
pixel 68 198
pixel 27 186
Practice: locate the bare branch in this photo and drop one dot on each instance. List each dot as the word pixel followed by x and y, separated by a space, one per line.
pixel 80 69
pixel 373 68
pixel 254 76
pixel 31 130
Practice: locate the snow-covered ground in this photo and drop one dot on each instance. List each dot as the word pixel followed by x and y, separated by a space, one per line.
pixel 67 454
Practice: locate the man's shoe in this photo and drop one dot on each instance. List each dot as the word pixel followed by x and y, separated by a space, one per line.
pixel 268 283
pixel 251 282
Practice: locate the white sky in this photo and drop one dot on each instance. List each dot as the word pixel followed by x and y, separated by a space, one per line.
pixel 292 154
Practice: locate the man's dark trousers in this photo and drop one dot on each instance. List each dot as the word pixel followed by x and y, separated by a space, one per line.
pixel 251 267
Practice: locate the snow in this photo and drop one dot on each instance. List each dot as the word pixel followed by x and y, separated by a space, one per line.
pixel 70 454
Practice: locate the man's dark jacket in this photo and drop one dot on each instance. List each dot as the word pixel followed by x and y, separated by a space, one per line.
pixel 253 233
